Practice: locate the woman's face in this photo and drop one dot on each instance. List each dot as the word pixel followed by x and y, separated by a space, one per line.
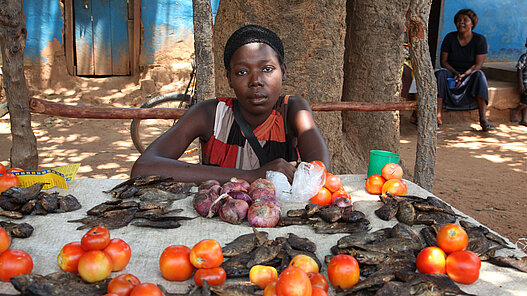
pixel 256 77
pixel 464 23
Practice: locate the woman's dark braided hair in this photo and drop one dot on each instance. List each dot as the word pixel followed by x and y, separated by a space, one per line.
pixel 252 34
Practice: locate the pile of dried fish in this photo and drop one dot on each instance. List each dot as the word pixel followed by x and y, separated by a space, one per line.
pixel 412 210
pixel 151 188
pixel 256 248
pixel 18 201
pixel 118 213
pixel 387 263
pixel 58 283
pixel 327 219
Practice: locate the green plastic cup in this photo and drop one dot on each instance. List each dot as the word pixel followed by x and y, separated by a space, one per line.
pixel 378 158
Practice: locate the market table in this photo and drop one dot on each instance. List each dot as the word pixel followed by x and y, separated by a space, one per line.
pixel 53 231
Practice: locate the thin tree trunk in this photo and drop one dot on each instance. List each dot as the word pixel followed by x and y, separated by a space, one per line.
pixel 204 56
pixel 13 42
pixel 427 93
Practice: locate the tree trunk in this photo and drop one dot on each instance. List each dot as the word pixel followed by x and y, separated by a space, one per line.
pixel 204 57
pixel 313 35
pixel 427 90
pixel 372 73
pixel 13 42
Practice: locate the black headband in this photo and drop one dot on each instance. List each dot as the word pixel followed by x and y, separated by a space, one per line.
pixel 252 34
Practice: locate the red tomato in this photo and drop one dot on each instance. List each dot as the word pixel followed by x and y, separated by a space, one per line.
pixel 68 258
pixel 452 237
pixel 323 197
pixel 270 290
pixel 2 168
pixel 374 184
pixel 305 262
pixel 5 240
pixel 392 171
pixel 123 284
pixel 94 266
pixel 96 238
pixel 394 186
pixel 14 170
pixel 320 164
pixel 316 291
pixel 318 280
pixel 214 276
pixel 146 289
pixel 175 263
pixel 120 253
pixel 463 266
pixel 293 281
pixel 206 254
pixel 7 181
pixel 111 294
pixel 13 263
pixel 340 193
pixel 333 182
pixel 431 260
pixel 343 271
pixel 262 275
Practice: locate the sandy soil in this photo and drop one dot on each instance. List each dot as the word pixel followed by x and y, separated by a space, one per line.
pixel 482 174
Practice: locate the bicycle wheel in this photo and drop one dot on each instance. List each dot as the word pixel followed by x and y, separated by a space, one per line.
pixel 145 131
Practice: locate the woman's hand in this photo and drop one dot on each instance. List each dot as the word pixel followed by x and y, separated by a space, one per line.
pixel 278 165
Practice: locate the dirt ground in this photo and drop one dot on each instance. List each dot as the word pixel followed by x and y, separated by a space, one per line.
pixel 482 174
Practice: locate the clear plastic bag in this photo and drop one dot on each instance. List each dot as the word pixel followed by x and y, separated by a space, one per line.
pixel 281 184
pixel 307 182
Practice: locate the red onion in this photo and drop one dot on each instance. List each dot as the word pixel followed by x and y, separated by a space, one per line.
pixel 342 202
pixel 233 210
pixel 259 193
pixel 202 203
pixel 241 195
pixel 207 185
pixel 263 214
pixel 270 198
pixel 262 183
pixel 235 184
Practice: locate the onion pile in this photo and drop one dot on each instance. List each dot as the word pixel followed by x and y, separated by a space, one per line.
pixel 237 199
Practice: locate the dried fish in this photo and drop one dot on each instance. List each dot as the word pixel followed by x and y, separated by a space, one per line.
pixel 312 209
pixel 520 263
pixel 110 219
pixel 351 216
pixel 431 218
pixel 362 225
pixel 288 221
pixel 19 230
pixel 477 242
pixel 297 213
pixel 429 236
pixel 430 284
pixel 393 288
pixel 236 266
pixel 49 202
pixel 28 207
pixel 58 283
pixel 266 252
pixel 11 214
pixel 330 214
pixel 388 210
pixel 406 213
pixel 157 224
pixel 366 238
pixel 391 245
pixel 69 203
pixel 404 231
pixel 242 244
pixel 20 195
pixel 301 243
pixel 292 253
pixel 238 289
pixel 430 208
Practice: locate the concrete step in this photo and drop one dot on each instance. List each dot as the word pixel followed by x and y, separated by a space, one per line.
pixel 502 71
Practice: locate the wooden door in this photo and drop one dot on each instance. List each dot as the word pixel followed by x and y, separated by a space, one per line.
pixel 101 37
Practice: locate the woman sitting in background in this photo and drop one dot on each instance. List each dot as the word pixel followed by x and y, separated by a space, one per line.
pixel 462 55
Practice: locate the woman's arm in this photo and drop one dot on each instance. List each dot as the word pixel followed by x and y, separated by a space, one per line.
pixel 311 144
pixel 480 58
pixel 161 157
pixel 444 63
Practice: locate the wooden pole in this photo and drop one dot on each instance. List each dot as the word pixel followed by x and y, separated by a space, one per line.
pixel 426 94
pixel 204 56
pixel 13 35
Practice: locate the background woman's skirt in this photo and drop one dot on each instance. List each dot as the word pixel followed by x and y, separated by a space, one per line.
pixel 464 96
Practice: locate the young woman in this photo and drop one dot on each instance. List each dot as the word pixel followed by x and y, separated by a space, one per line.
pixel 257 131
pixel 462 55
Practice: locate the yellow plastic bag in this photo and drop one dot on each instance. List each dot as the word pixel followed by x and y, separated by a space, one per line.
pixel 53 177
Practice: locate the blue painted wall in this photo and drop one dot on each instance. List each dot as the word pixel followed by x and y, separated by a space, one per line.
pixel 165 21
pixel 44 24
pixel 503 22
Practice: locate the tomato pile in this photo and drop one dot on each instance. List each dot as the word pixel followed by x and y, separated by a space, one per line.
pixel 450 257
pixel 390 180
pixel 12 262
pixel 178 262
pixel 8 180
pixel 95 256
pixel 331 190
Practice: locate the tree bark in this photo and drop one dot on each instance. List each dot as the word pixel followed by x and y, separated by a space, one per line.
pixel 313 35
pixel 13 42
pixel 427 90
pixel 372 72
pixel 204 56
